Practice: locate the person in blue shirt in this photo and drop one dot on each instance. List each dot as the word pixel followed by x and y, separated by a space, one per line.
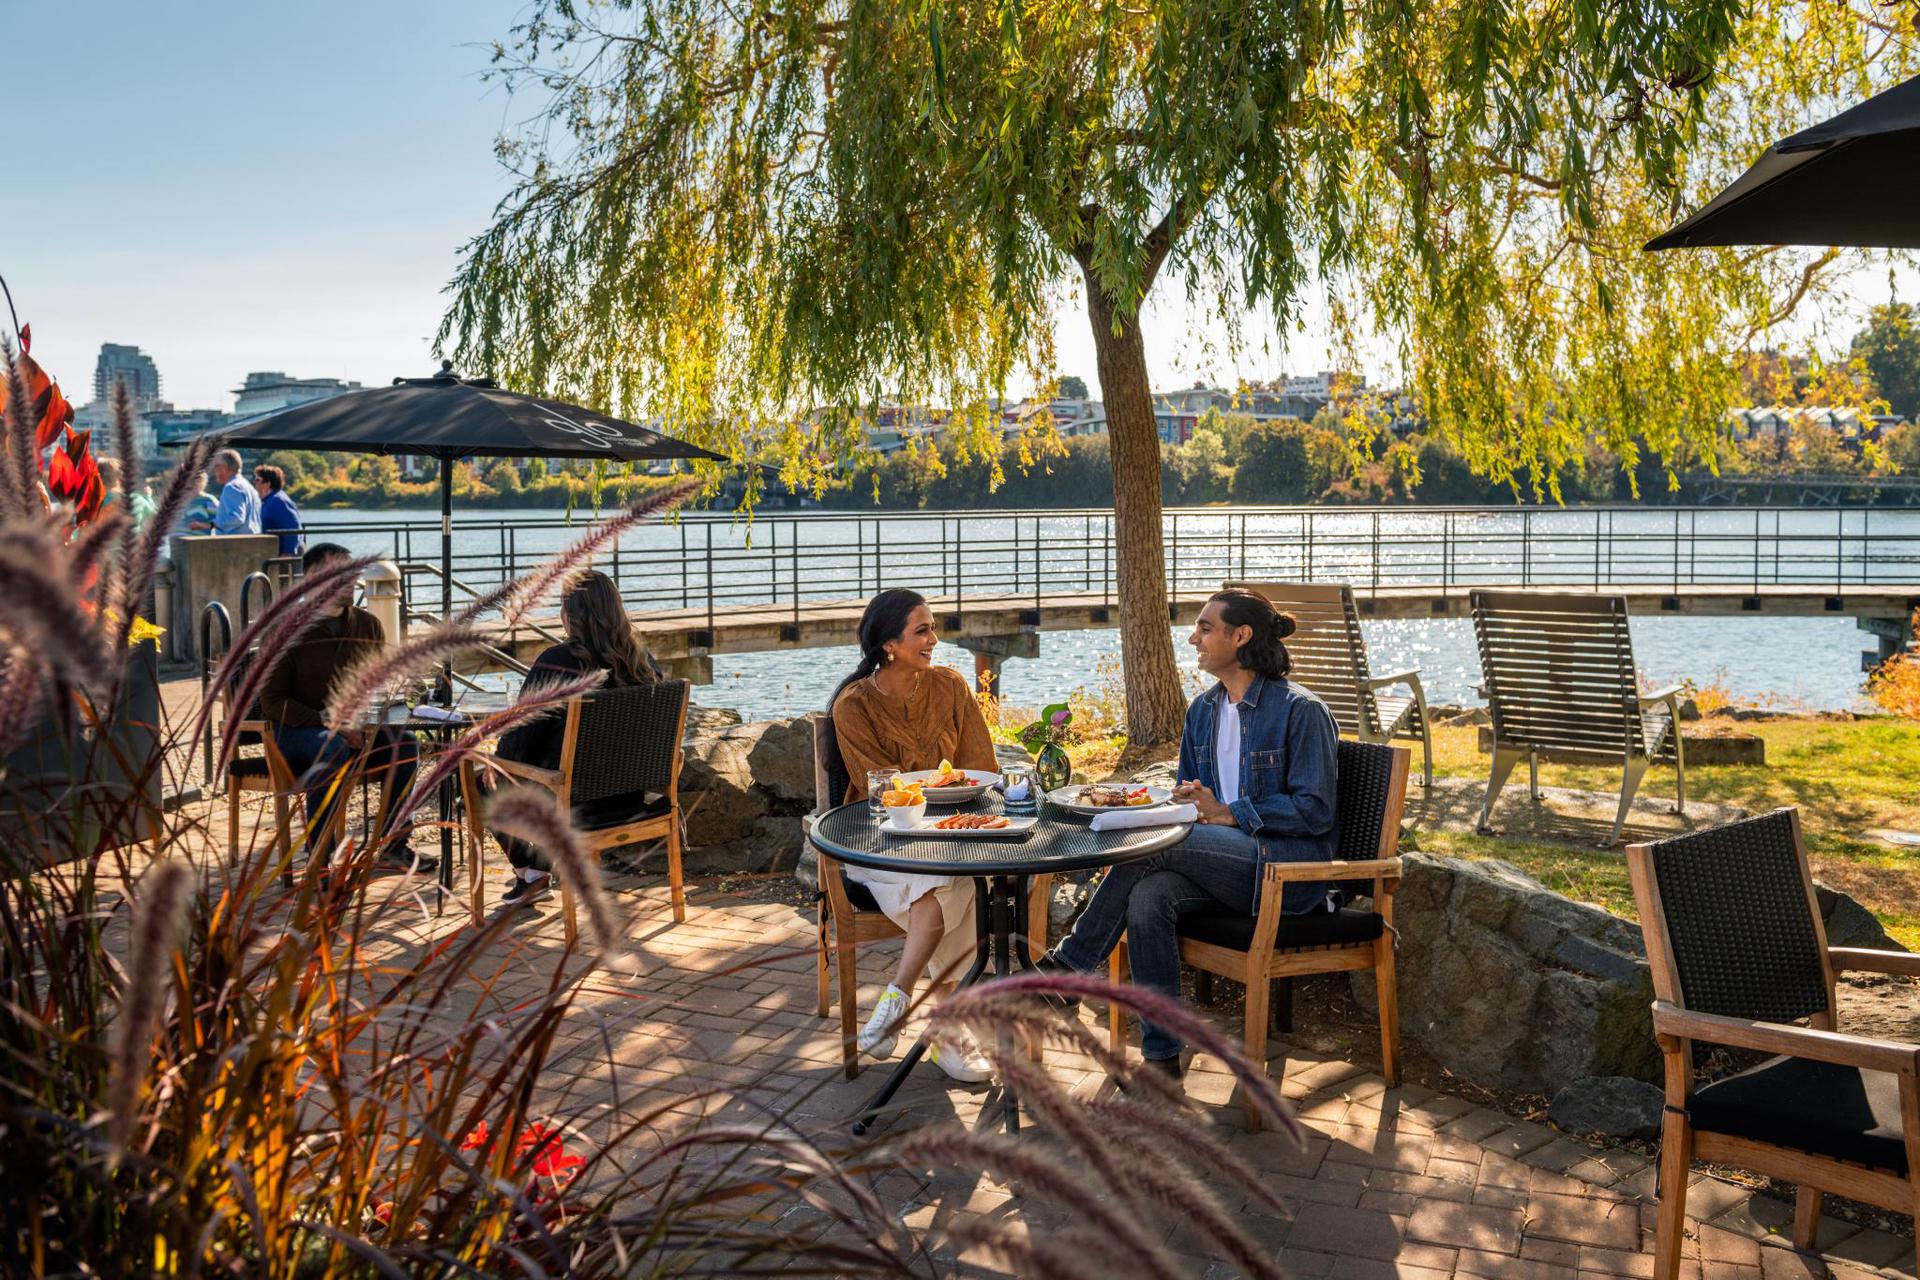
pixel 277 512
pixel 1257 760
pixel 239 505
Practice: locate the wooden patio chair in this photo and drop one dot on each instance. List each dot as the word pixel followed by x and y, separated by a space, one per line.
pixel 846 916
pixel 1329 654
pixel 1259 949
pixel 1561 685
pixel 617 742
pixel 1738 956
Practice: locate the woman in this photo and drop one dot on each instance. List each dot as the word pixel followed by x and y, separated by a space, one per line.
pixel 900 712
pixel 278 514
pixel 599 638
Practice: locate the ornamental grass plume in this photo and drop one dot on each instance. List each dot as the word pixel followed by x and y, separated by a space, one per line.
pixel 533 815
pixel 159 905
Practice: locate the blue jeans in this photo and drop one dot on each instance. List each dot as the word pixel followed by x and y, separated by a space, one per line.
pixel 1214 867
pixel 317 757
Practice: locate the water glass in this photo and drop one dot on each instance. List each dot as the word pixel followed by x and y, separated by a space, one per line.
pixel 878 781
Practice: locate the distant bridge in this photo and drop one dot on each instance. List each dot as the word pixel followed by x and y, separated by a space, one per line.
pixel 708 585
pixel 1813 490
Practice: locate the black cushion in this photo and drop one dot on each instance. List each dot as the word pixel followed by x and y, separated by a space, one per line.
pixel 248 767
pixel 616 811
pixel 1830 1110
pixel 859 895
pixel 1234 929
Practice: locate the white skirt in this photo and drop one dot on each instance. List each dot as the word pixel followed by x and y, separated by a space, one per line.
pixel 897 891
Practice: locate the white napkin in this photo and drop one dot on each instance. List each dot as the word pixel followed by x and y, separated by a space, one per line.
pixel 1166 815
pixel 429 711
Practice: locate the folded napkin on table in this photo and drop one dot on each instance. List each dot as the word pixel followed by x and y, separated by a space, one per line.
pixel 430 711
pixel 1166 815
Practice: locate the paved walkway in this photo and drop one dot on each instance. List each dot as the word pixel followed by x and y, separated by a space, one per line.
pixel 1401 1182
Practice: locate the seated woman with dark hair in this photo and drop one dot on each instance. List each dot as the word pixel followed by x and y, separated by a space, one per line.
pixel 898 711
pixel 599 638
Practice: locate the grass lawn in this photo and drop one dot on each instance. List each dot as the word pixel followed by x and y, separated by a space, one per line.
pixel 1847 777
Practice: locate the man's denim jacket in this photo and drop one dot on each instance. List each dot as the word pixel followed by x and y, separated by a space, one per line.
pixel 1287 774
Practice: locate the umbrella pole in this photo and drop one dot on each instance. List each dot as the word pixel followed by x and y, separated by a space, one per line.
pixel 446 676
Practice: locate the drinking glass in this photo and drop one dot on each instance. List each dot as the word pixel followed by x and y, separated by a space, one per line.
pixel 878 781
pixel 1019 789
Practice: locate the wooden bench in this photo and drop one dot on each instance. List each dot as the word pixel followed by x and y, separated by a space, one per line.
pixel 1561 685
pixel 1330 658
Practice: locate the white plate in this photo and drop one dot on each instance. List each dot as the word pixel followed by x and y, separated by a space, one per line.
pixel 953 795
pixel 1068 798
pixel 930 827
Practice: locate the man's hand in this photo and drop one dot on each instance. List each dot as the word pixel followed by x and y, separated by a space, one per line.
pixel 1201 797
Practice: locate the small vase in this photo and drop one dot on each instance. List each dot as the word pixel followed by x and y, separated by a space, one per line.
pixel 1052 767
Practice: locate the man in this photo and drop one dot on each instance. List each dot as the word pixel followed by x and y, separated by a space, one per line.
pixel 1257 761
pixel 294 700
pixel 277 512
pixel 239 506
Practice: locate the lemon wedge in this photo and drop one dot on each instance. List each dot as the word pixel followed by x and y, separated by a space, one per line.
pixel 898 783
pixel 946 766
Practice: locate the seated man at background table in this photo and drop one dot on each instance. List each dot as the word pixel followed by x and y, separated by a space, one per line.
pixel 294 699
pixel 1257 762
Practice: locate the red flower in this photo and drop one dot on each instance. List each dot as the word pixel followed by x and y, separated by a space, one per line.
pixel 47 409
pixel 550 1158
pixel 74 479
pixel 475 1139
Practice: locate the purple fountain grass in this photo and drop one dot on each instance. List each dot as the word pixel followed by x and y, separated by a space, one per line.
pixel 362 683
pixel 40 612
pixel 167 510
pixel 127 603
pixel 534 816
pixel 1197 1141
pixel 1163 1011
pixel 517 597
pixel 22 473
pixel 1072 1254
pixel 158 907
pixel 947 1148
pixel 20 687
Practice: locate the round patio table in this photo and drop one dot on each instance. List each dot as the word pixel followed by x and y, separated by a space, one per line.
pixel 999 867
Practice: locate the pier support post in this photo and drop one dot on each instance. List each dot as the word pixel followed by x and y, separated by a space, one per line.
pixel 991 652
pixel 694 669
pixel 1894 634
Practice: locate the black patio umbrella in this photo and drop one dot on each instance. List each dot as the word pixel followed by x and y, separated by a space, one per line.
pixel 448 417
pixel 1853 180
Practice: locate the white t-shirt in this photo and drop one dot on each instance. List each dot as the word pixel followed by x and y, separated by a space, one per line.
pixel 1226 751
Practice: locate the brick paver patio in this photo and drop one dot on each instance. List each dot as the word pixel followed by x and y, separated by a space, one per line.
pixel 718 1019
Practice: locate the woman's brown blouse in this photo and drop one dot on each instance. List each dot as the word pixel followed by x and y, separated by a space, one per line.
pixel 937 720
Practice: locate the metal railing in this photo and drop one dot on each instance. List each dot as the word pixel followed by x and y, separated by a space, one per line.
pixel 705 566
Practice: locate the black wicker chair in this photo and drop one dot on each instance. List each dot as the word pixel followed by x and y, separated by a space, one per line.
pixel 1258 949
pixel 1739 955
pixel 618 743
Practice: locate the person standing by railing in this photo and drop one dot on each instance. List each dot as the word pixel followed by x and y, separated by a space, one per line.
pixel 278 514
pixel 238 508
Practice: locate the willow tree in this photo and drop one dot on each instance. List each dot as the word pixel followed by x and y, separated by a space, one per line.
pixel 753 219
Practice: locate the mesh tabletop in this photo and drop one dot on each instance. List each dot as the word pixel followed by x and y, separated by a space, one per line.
pixel 1061 842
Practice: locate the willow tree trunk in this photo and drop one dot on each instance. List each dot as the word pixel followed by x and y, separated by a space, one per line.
pixel 1155 708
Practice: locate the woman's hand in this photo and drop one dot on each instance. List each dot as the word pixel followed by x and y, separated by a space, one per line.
pixel 1201 797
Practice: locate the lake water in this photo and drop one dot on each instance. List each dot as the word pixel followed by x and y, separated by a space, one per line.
pixel 1811 663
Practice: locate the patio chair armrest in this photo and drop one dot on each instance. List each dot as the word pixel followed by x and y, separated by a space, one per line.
pixel 524 772
pixel 1398 677
pixel 1387 869
pixel 1903 964
pixel 1795 1042
pixel 1670 694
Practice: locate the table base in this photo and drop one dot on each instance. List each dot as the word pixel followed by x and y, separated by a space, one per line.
pixel 1000 919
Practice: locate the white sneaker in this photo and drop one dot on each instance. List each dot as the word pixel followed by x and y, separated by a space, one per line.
pixel 883 1028
pixel 960 1057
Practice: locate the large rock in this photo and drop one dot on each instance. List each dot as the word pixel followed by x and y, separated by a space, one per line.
pixel 1617 1106
pixel 1849 924
pixel 1508 984
pixel 743 789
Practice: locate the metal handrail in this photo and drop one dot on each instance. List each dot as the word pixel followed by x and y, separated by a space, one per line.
pixel 246 595
pixel 781 562
pixel 212 612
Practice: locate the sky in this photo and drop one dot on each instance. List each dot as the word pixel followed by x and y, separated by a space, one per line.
pixel 247 186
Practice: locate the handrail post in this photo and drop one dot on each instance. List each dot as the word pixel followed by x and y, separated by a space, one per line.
pixel 1036 565
pixel 710 590
pixel 1376 553
pixel 1306 564
pixel 793 566
pixel 1676 551
pixel 685 598
pixel 246 596
pixel 1106 572
pixel 208 614
pixel 1596 548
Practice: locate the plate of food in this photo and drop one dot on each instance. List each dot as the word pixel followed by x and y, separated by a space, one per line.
pixel 966 825
pixel 1100 797
pixel 948 785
